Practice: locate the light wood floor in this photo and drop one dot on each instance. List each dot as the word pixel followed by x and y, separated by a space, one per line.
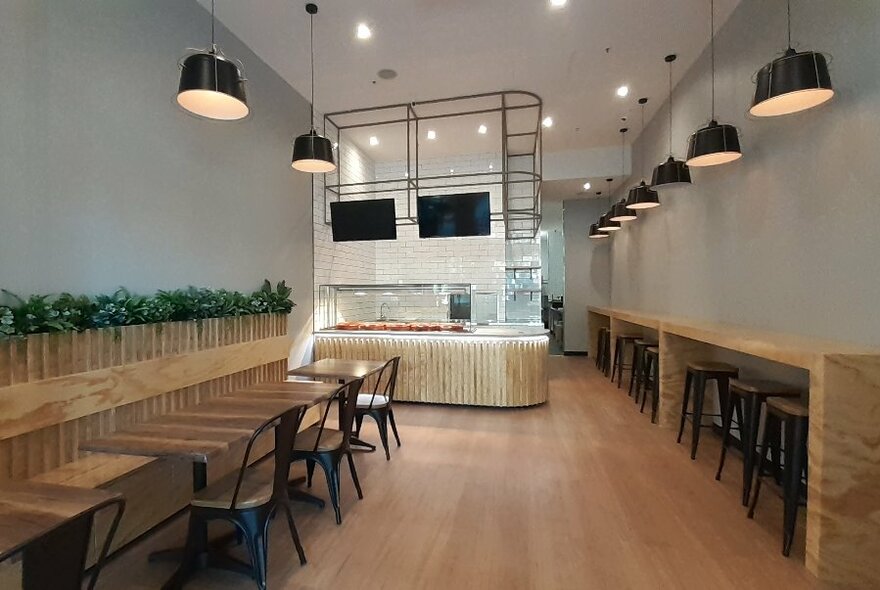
pixel 581 493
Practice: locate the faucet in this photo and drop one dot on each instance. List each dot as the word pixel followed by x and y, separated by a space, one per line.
pixel 382 316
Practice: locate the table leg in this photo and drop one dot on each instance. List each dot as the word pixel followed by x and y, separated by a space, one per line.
pixel 200 482
pixel 353 440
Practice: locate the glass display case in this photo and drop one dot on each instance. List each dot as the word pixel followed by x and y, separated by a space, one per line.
pixel 420 308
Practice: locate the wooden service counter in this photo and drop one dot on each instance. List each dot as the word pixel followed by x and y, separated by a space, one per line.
pixel 497 366
pixel 843 511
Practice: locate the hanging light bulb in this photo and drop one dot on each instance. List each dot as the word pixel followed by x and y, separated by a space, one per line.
pixel 312 153
pixel 211 85
pixel 641 196
pixel 672 172
pixel 792 83
pixel 715 143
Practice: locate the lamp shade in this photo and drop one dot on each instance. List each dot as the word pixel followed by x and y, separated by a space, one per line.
pixel 213 87
pixel 670 173
pixel 642 197
pixel 619 212
pixel 606 225
pixel 792 83
pixel 595 234
pixel 313 153
pixel 712 145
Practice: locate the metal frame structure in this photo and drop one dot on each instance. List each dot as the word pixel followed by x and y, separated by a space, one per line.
pixel 521 213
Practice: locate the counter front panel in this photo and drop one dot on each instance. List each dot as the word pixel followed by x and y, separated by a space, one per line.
pixel 491 367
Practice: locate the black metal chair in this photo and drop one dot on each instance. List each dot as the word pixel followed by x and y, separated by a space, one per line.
pixel 326 446
pixel 248 499
pixel 618 366
pixel 377 404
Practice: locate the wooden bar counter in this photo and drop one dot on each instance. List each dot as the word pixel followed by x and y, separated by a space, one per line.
pixel 843 511
pixel 498 366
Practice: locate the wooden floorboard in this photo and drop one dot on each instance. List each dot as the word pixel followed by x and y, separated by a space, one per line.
pixel 582 492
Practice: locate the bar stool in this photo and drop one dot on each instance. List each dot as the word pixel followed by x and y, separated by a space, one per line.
pixel 750 396
pixel 794 416
pixel 620 355
pixel 698 374
pixel 638 362
pixel 600 347
pixel 651 380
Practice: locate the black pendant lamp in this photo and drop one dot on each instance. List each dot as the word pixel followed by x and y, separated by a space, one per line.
pixel 606 223
pixel 641 196
pixel 211 85
pixel 313 153
pixel 595 234
pixel 795 82
pixel 715 143
pixel 672 172
pixel 619 211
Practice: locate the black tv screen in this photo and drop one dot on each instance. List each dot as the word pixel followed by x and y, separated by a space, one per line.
pixel 451 216
pixel 356 221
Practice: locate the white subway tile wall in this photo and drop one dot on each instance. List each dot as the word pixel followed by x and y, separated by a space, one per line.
pixel 477 261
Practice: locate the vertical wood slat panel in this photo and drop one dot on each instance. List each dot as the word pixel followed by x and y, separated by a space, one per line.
pixel 455 370
pixel 42 356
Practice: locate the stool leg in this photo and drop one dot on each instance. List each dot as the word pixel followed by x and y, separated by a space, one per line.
pixel 768 442
pixel 634 368
pixel 643 383
pixel 699 396
pixel 752 420
pixel 688 379
pixel 795 459
pixel 726 419
pixel 614 362
pixel 655 393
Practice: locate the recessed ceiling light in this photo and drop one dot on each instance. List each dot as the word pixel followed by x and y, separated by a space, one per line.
pixel 452 170
pixel 432 134
pixel 335 145
pixel 374 141
pixel 491 166
pixel 587 186
pixel 623 91
pixel 547 122
pixel 558 3
pixel 482 130
pixel 363 31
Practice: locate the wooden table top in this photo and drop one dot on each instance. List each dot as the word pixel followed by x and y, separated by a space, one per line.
pixel 338 369
pixel 199 432
pixel 790 349
pixel 29 510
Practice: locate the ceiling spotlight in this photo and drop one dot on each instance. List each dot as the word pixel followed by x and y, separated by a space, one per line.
pixel 623 91
pixel 432 134
pixel 363 31
pixel 374 141
pixel 335 145
pixel 482 130
pixel 587 186
pixel 558 3
pixel 547 122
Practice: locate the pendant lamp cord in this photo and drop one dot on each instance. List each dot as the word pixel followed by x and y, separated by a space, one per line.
pixel 622 160
pixel 213 44
pixel 670 108
pixel 312 51
pixel 642 135
pixel 712 44
pixel 789 23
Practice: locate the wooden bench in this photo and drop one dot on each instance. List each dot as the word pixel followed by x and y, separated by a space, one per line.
pixel 58 390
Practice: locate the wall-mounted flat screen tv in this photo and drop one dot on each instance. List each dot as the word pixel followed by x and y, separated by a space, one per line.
pixel 360 221
pixel 454 216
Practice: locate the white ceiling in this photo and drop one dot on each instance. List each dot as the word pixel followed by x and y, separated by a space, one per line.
pixel 574 57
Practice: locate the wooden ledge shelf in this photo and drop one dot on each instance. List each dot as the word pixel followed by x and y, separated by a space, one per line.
pixel 843 513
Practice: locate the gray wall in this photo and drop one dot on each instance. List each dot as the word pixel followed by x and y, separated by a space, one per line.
pixel 587 269
pixel 786 239
pixel 106 182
